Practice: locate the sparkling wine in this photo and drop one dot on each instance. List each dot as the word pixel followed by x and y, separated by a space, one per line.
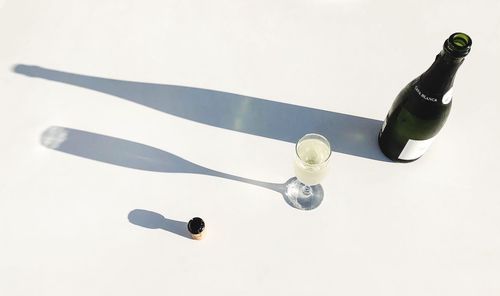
pixel 422 107
pixel 311 162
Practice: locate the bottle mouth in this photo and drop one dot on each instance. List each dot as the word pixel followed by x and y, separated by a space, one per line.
pixel 458 45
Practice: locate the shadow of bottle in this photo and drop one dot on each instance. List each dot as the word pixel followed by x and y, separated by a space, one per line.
pixel 133 155
pixel 153 220
pixel 349 134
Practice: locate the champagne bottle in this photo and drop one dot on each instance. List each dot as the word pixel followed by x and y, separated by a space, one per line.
pixel 421 108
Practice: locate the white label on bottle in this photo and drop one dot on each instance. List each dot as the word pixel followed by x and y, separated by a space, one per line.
pixel 448 96
pixel 414 149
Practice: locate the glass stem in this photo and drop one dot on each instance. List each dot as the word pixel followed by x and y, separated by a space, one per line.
pixel 306 190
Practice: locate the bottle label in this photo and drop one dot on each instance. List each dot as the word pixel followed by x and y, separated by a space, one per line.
pixel 446 99
pixel 448 96
pixel 415 148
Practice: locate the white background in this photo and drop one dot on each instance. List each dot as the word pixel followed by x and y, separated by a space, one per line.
pixel 426 228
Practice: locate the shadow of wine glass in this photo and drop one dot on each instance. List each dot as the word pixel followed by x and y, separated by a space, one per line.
pixel 153 220
pixel 133 155
pixel 350 134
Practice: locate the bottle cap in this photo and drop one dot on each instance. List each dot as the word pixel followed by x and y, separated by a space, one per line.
pixel 196 226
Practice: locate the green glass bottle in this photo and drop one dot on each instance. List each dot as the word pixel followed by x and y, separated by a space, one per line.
pixel 421 108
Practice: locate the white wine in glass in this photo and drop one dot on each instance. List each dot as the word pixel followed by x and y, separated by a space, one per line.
pixel 311 164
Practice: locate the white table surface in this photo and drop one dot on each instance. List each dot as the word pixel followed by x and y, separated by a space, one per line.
pixel 121 120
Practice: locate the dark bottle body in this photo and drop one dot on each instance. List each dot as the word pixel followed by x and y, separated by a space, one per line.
pixel 421 108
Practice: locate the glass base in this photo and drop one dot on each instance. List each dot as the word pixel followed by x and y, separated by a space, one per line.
pixel 301 196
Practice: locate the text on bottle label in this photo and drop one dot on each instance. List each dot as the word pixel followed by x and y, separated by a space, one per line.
pixel 424 96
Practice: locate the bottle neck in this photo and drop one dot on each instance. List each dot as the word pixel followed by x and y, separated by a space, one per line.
pixel 438 79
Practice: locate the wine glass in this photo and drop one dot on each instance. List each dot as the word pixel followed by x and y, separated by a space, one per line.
pixel 311 164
